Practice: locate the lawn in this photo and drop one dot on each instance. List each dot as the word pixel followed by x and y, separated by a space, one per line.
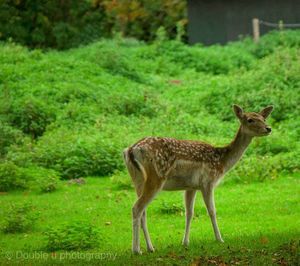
pixel 259 222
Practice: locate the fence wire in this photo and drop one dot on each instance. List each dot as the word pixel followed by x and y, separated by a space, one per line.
pixel 280 24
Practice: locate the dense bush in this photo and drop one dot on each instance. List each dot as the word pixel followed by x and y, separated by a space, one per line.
pixel 135 104
pixel 55 23
pixel 274 81
pixel 75 111
pixel 117 63
pixel 63 24
pixel 20 218
pixel 214 59
pixel 256 168
pixel 31 115
pixel 9 136
pixel 121 180
pixel 171 208
pixel 11 177
pixel 273 40
pixel 45 180
pixel 76 154
pixel 77 235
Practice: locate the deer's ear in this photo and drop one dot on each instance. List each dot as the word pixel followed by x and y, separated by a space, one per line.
pixel 238 111
pixel 266 111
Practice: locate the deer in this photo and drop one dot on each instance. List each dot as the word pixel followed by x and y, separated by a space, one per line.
pixel 169 164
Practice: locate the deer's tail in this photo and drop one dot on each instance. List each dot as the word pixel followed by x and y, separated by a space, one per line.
pixel 133 162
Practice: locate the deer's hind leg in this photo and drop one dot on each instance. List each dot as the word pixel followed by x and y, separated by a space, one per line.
pixel 152 186
pixel 150 247
pixel 139 186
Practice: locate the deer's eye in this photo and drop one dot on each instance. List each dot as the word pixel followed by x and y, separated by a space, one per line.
pixel 250 120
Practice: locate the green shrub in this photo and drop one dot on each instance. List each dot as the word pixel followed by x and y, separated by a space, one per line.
pixel 276 40
pixel 20 218
pixel 76 113
pixel 121 180
pixel 45 180
pixel 64 33
pixel 66 24
pixel 273 82
pixel 49 184
pixel 70 94
pixel 271 146
pixel 135 104
pixel 77 235
pixel 11 177
pixel 82 107
pixel 289 162
pixel 117 63
pixel 256 169
pixel 9 136
pixel 76 154
pixel 171 208
pixel 31 115
pixel 214 59
pixel 262 168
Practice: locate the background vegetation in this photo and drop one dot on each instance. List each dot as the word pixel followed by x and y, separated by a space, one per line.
pixel 72 113
pixel 68 115
pixel 63 24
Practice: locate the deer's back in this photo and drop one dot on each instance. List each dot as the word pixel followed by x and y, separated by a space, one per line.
pixel 179 159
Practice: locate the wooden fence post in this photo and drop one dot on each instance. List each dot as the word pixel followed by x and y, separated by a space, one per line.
pixel 255 26
pixel 280 25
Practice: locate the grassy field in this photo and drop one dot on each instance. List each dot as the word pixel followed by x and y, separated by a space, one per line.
pixel 259 222
pixel 66 116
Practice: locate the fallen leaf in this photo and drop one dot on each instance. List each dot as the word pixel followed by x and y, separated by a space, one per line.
pixel 264 240
pixel 282 262
pixel 175 81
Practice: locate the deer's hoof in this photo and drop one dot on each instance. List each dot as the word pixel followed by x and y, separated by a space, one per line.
pixel 185 243
pixel 151 249
pixel 220 240
pixel 137 252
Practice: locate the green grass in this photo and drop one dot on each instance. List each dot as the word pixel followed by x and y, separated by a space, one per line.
pixel 259 223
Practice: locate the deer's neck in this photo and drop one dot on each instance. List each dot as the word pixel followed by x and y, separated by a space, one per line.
pixel 234 151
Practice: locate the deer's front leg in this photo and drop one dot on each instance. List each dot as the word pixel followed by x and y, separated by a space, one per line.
pixel 189 197
pixel 208 196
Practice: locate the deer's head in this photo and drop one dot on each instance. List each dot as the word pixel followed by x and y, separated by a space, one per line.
pixel 254 124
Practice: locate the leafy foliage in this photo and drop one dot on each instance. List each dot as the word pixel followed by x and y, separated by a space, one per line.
pixel 63 24
pixel 31 116
pixel 77 235
pixel 75 111
pixel 167 208
pixel 121 180
pixel 75 154
pixel 20 218
pixel 9 136
pixel 11 177
pixel 45 180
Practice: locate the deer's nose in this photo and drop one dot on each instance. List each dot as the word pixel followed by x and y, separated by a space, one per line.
pixel 269 129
